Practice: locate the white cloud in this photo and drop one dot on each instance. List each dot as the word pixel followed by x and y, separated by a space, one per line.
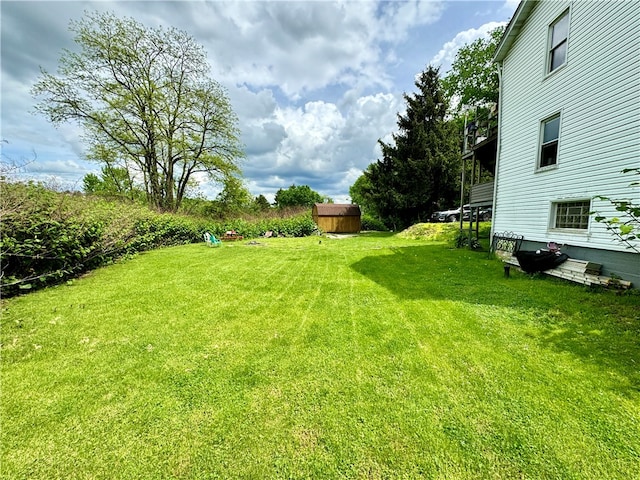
pixel 398 17
pixel 322 145
pixel 448 52
pixel 250 105
pixel 314 84
pixel 312 134
pixel 301 47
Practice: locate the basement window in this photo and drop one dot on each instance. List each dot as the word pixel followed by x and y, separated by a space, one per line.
pixel 572 215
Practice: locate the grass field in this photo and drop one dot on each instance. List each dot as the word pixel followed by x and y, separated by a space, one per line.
pixel 368 357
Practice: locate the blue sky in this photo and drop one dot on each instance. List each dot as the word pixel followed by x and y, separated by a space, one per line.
pixel 315 84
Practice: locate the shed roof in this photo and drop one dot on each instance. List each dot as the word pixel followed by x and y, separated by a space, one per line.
pixel 337 210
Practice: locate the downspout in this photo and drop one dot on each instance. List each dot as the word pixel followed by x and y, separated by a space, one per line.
pixel 498 152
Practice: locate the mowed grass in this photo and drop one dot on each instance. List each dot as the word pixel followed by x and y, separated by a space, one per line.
pixel 367 357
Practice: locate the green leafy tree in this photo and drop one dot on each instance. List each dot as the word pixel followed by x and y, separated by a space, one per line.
pixel 298 196
pixel 92 183
pixel 146 103
pixel 360 193
pixel 420 168
pixel 626 226
pixel 113 181
pixel 235 198
pixel 473 78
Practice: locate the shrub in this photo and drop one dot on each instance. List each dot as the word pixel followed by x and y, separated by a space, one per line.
pixel 43 238
pixel 463 239
pixel 47 237
pixel 161 230
pixel 437 232
pixel 373 224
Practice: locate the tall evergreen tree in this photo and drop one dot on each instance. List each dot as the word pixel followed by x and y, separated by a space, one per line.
pixel 419 169
pixel 261 203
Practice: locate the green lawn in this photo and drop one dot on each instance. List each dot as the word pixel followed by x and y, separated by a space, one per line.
pixel 369 357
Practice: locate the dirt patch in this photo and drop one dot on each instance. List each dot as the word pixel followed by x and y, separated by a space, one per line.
pixel 340 236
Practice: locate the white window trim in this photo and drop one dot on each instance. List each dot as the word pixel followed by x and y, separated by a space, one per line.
pixel 574 231
pixel 541 123
pixel 547 63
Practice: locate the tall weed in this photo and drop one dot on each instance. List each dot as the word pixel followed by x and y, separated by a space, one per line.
pixel 47 237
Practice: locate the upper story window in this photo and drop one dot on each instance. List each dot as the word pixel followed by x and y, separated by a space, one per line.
pixel 549 145
pixel 558 41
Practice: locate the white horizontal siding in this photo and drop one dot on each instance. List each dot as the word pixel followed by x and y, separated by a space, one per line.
pixel 598 95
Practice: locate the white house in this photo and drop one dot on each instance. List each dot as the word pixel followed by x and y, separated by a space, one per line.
pixel 569 124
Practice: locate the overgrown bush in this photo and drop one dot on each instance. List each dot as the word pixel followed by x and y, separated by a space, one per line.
pixel 437 232
pixel 370 223
pixel 447 232
pixel 39 239
pixel 300 225
pixel 464 239
pixel 161 230
pixel 47 237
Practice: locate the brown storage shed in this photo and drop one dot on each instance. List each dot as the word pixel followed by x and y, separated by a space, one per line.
pixel 337 218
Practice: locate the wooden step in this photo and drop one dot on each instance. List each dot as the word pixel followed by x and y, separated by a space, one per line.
pixel 579 271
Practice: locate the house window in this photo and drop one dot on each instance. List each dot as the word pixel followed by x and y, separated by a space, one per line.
pixel 558 40
pixel 549 145
pixel 574 215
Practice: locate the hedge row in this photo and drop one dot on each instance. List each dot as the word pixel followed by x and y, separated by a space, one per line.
pixel 47 237
pixel 370 223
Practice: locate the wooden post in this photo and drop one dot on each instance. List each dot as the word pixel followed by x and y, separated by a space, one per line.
pixel 464 164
